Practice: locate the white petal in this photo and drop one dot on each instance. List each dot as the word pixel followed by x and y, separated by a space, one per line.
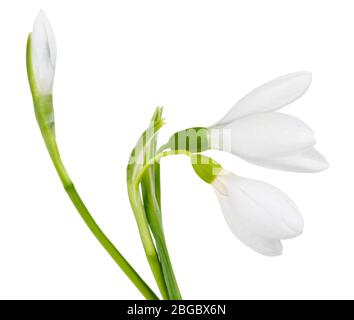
pixel 267 247
pixel 262 136
pixel 255 208
pixel 309 160
pixel 271 96
pixel 43 52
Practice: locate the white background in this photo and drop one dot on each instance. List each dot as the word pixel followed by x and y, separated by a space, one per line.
pixel 118 60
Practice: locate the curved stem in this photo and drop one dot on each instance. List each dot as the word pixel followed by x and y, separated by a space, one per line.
pixel 43 106
pixel 90 222
pixel 135 164
pixel 154 215
pixel 148 243
pixel 152 206
pixel 164 147
pixel 157 158
pixel 151 193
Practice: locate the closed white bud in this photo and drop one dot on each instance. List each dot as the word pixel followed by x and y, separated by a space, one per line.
pixel 43 54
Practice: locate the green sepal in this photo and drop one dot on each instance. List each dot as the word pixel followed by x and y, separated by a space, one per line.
pixel 205 167
pixel 192 139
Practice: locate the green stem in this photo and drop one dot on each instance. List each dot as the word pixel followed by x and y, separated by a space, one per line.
pixel 150 186
pixel 157 158
pixel 43 106
pixel 157 176
pixel 148 243
pixel 88 219
pixel 156 223
pixel 136 161
pixel 167 268
pixel 154 214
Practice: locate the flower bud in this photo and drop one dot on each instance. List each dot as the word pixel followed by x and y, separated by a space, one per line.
pixel 41 56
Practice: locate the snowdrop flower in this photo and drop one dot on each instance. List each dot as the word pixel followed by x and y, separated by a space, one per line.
pixel 257 213
pixel 43 55
pixel 253 130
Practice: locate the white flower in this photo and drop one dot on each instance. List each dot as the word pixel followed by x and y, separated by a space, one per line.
pixel 253 130
pixel 259 214
pixel 43 54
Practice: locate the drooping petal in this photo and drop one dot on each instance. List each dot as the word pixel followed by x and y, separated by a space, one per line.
pixel 267 247
pixel 264 246
pixel 43 54
pixel 262 136
pixel 271 96
pixel 257 210
pixel 309 160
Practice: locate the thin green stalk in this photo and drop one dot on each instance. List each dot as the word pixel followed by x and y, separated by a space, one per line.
pixel 167 268
pixel 148 243
pixel 150 187
pixel 157 158
pixel 90 222
pixel 43 106
pixel 157 176
pixel 133 169
pixel 153 212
